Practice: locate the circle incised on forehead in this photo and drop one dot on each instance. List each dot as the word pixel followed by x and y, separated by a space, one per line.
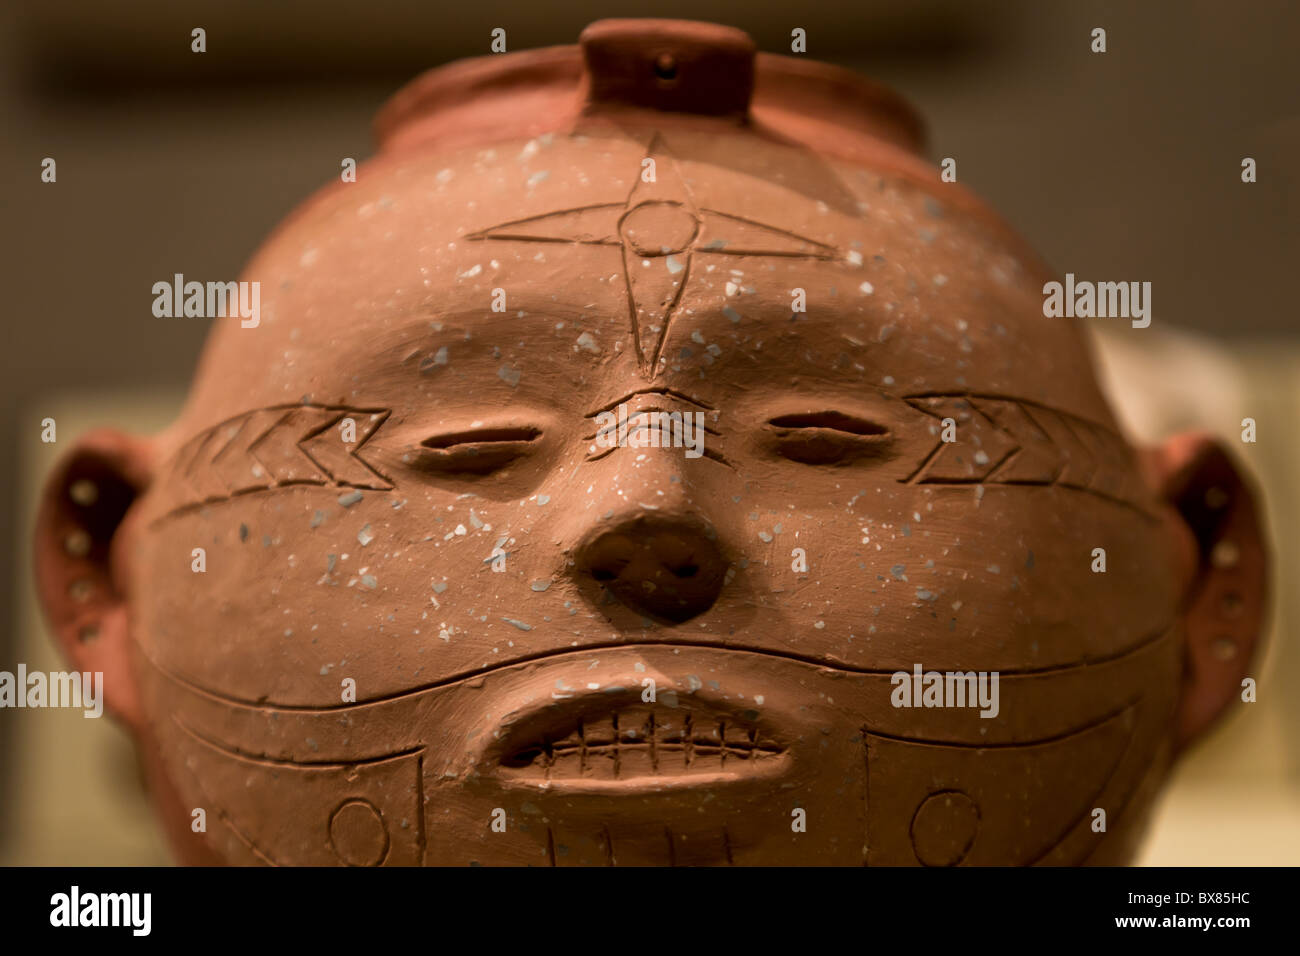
pixel 659 228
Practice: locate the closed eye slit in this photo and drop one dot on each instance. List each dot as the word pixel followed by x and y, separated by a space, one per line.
pixel 477 451
pixel 827 438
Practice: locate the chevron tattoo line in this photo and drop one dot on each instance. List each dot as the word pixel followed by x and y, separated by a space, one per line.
pixel 270 448
pixel 1007 441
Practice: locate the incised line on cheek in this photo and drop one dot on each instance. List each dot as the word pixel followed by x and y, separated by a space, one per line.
pixel 271 448
pixel 998 762
pixel 364 781
pixel 1147 642
pixel 659 221
pixel 1010 441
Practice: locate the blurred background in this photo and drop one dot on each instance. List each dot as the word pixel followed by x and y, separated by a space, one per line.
pixel 1123 165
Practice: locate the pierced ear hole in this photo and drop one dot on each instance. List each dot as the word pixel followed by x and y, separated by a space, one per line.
pixel 80 590
pixel 1224 648
pixel 83 492
pixel 666 66
pixel 1225 555
pixel 102 497
pixel 1231 604
pixel 77 543
pixel 88 634
pixel 1215 497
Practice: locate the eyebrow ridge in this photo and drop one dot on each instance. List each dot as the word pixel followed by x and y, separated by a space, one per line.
pixel 650 390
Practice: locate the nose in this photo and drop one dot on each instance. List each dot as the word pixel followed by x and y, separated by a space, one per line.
pixel 668 568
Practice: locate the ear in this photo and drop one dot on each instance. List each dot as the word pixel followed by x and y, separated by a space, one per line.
pixel 1223 544
pixel 81 571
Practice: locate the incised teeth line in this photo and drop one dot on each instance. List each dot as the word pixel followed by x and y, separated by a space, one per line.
pixel 654 742
pixel 596 756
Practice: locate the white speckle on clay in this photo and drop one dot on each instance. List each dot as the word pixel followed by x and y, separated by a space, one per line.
pixel 349 499
pixel 471 272
pixel 866 288
pixel 587 341
pixel 519 624
pixel 364 536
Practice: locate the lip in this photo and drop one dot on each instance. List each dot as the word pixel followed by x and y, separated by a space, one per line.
pixel 612 741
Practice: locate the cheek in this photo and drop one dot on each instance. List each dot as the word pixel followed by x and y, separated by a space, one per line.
pixel 995 578
pixel 277 595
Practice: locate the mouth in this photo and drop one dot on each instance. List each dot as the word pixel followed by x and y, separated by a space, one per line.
pixel 662 754
pixel 616 741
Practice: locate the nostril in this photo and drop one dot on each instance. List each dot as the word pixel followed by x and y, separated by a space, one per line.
pixel 608 556
pixel 666 66
pixel 672 569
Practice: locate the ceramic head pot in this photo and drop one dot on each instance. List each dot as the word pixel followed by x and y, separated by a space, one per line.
pixel 650 459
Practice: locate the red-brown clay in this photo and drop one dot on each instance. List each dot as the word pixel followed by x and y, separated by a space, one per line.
pixel 567 652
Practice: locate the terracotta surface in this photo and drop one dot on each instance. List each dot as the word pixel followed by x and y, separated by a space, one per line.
pixel 826 537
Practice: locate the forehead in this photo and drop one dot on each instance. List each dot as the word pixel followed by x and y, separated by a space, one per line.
pixel 715 264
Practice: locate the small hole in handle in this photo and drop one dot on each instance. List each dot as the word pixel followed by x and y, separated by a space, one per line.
pixel 666 66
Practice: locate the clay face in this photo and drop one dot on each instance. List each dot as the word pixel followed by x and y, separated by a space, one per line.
pixel 445 619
